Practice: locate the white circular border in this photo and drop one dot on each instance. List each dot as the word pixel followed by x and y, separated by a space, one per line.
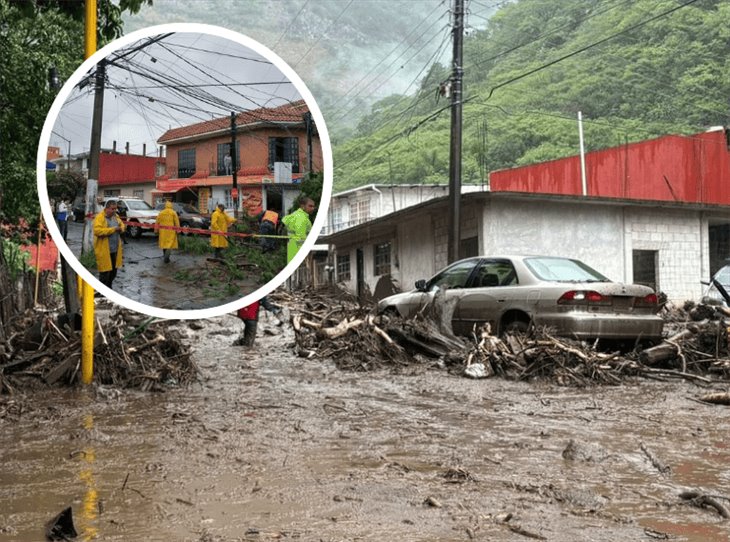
pixel 285 69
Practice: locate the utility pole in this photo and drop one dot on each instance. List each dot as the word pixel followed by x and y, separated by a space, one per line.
pixel 455 151
pixel 94 154
pixel 234 165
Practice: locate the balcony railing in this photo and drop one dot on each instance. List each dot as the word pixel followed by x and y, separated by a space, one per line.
pixel 343 225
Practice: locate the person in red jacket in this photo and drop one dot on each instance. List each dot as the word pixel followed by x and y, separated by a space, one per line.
pixel 250 317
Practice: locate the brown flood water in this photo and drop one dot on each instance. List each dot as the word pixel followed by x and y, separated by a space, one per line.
pixel 271 446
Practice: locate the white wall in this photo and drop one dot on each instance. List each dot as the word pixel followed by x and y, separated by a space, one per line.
pixel 680 238
pixel 601 235
pixel 590 233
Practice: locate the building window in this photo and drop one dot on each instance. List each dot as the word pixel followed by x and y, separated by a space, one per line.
pixel 112 193
pixel 228 199
pixel 343 267
pixel 359 212
pixel 284 149
pixel 185 163
pixel 645 263
pixel 335 219
pixel 138 194
pixel 382 259
pixel 223 149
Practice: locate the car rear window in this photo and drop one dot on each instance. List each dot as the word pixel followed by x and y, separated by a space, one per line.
pixel 563 270
pixel 138 205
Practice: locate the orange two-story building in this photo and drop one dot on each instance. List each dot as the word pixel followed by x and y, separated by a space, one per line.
pixel 199 173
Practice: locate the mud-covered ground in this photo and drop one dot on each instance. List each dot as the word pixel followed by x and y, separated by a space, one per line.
pixel 272 446
pixel 186 283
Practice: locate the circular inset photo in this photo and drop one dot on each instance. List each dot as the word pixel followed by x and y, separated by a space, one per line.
pixel 193 174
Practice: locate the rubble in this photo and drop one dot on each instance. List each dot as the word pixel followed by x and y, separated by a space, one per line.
pixel 329 325
pixel 130 351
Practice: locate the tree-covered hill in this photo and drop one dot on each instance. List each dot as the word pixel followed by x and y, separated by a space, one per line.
pixel 636 69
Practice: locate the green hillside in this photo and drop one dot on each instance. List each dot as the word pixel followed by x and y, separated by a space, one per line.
pixel 658 71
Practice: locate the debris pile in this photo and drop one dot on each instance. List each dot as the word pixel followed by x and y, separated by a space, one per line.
pixel 356 339
pixel 130 351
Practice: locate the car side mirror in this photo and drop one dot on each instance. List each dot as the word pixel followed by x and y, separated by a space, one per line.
pixel 421 285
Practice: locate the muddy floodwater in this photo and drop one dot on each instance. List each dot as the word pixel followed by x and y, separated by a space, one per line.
pixel 271 446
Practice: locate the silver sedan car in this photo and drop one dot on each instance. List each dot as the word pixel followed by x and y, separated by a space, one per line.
pixel 514 292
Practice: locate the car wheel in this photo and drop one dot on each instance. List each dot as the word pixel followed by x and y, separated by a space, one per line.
pixel 184 225
pixel 516 327
pixel 135 231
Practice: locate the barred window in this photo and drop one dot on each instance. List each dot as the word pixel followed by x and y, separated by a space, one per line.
pixel 138 194
pixel 359 212
pixel 284 149
pixel 185 163
pixel 382 259
pixel 343 267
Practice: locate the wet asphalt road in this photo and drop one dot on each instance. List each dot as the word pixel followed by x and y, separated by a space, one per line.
pixel 145 277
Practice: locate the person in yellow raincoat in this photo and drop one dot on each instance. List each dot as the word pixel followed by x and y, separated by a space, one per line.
pixel 219 222
pixel 298 225
pixel 108 243
pixel 167 239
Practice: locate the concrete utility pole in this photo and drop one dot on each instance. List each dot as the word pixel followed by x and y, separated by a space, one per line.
pixel 234 165
pixel 455 151
pixel 94 154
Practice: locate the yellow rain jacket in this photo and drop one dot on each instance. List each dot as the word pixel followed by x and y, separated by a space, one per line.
pixel 167 217
pixel 219 221
pixel 101 243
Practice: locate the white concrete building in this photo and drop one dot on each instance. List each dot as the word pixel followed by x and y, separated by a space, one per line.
pixel 662 244
pixel 359 205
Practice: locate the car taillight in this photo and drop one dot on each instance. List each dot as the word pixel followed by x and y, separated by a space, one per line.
pixel 583 297
pixel 646 301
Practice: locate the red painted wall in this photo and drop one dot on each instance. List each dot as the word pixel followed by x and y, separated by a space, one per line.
pixel 693 169
pixel 126 168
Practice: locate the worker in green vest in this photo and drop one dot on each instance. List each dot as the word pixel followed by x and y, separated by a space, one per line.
pixel 298 224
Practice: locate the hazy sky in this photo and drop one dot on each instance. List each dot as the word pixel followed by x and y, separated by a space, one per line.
pixel 179 80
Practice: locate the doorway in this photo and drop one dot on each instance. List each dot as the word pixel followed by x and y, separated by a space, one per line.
pixel 274 200
pixel 360 272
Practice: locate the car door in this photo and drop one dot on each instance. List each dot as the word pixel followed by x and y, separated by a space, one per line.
pixel 452 283
pixel 487 296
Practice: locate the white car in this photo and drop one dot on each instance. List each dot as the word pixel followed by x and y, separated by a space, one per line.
pixel 514 292
pixel 135 212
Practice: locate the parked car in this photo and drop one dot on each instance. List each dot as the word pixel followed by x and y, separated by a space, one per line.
pixel 134 211
pixel 513 292
pixel 188 215
pixel 79 211
pixel 720 280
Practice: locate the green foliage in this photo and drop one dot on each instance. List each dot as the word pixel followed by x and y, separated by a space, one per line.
pixel 65 184
pixel 667 76
pixel 15 259
pixel 192 244
pixel 88 260
pixel 36 35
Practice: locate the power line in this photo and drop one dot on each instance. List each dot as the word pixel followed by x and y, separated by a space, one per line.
pixel 544 35
pixel 229 55
pixel 389 53
pixel 590 46
pixel 301 9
